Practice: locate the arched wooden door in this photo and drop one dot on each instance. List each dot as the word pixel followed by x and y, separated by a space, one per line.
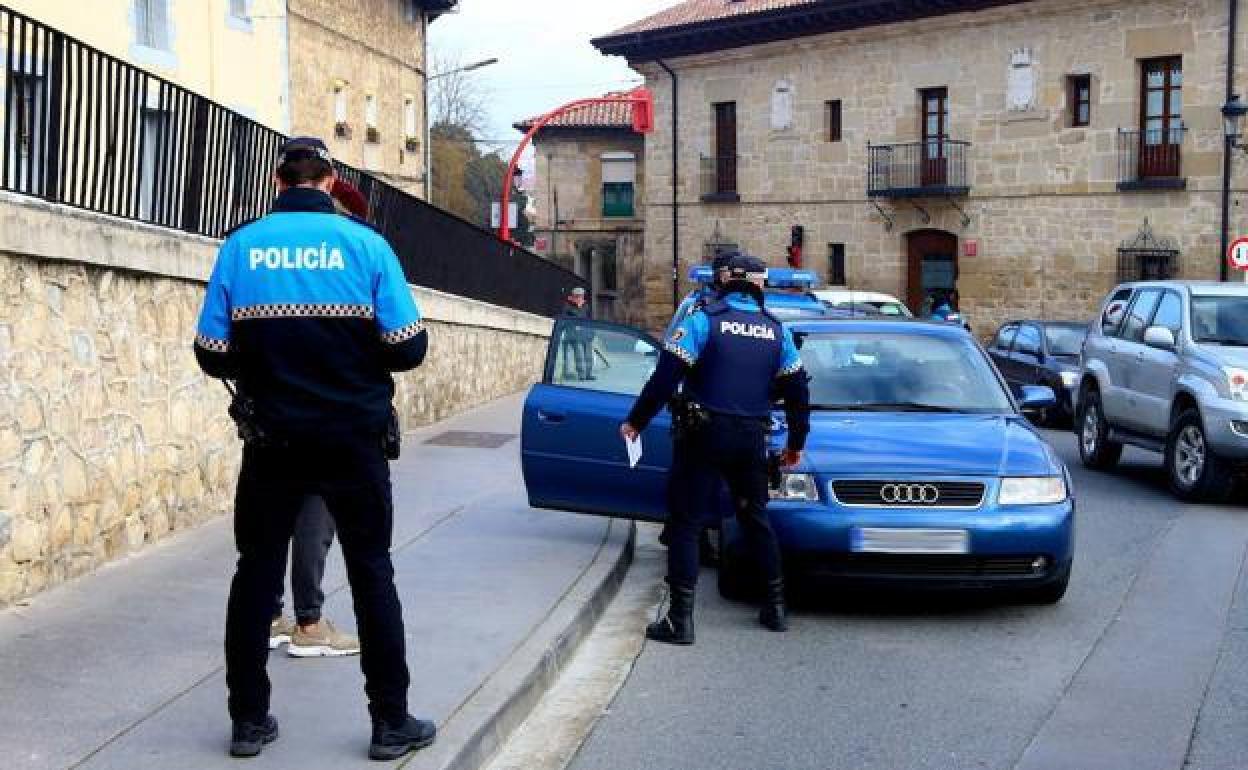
pixel 932 266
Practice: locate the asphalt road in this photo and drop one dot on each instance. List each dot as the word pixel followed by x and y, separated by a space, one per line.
pixel 1143 665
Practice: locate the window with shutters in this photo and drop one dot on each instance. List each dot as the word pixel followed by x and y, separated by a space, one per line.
pixel 1080 100
pixel 619 177
pixel 151 19
pixel 372 134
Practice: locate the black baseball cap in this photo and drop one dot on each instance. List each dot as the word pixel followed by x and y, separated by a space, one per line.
pixel 743 266
pixel 300 147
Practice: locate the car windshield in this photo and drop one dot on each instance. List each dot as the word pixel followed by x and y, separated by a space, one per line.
pixel 791 313
pixel 1220 320
pixel 1065 340
pixel 875 307
pixel 889 372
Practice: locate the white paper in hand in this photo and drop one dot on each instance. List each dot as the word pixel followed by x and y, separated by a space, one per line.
pixel 634 450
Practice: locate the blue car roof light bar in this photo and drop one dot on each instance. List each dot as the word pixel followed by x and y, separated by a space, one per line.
pixel 777 277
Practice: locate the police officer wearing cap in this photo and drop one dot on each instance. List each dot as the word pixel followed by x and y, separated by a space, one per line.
pixel 677 478
pixel 309 313
pixel 730 356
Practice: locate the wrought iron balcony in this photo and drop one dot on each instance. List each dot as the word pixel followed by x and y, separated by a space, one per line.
pixel 933 167
pixel 1151 159
pixel 719 179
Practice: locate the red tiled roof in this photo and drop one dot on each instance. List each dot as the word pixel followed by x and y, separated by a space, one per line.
pixel 698 11
pixel 602 115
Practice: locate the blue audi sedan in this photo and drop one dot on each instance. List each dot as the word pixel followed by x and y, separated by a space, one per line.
pixel 920 470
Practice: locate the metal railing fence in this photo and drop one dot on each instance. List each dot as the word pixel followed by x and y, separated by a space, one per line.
pixel 82 128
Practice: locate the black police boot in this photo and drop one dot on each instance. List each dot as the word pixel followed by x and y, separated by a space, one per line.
pixel 249 738
pixel 773 615
pixel 677 626
pixel 391 741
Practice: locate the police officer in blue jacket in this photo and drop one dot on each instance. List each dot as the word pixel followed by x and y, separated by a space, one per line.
pixel 309 312
pixel 730 355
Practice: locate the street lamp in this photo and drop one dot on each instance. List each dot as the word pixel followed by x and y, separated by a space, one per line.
pixel 1233 113
pixel 428 148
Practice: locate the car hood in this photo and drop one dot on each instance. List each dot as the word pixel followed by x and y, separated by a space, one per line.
pixel 1225 355
pixel 902 444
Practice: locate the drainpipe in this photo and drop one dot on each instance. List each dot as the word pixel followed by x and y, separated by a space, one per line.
pixel 424 79
pixel 676 184
pixel 1232 24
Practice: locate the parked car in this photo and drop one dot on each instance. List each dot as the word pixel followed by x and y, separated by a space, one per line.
pixel 1165 368
pixel 920 469
pixel 860 301
pixel 1042 353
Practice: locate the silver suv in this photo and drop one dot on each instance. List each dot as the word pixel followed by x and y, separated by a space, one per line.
pixel 1165 368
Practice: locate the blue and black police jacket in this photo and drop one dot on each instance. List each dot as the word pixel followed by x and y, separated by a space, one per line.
pixel 310 312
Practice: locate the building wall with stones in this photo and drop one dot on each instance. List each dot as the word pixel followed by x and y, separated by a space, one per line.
pixel 570 216
pixel 1044 206
pixel 110 436
pixel 365 48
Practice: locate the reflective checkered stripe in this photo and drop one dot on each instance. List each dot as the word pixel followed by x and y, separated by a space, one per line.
pixel 302 311
pixel 679 352
pixel 793 369
pixel 403 334
pixel 213 345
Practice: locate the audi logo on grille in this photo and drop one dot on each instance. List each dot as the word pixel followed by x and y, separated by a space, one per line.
pixel 925 494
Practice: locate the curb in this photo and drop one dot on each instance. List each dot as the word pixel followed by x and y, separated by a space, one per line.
pixel 483 722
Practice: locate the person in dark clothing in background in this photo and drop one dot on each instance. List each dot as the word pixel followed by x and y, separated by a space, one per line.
pixel 578 342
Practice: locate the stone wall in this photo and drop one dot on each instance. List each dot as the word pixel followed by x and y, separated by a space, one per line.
pixel 110 437
pixel 1044 205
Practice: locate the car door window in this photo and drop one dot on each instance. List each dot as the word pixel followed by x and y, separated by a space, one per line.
pixel 1139 315
pixel 1115 311
pixel 1028 340
pixel 601 357
pixel 1005 338
pixel 1170 313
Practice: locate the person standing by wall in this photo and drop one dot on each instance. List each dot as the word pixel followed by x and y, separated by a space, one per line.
pixel 309 312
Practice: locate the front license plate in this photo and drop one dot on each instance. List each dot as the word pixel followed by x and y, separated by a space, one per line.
pixel 890 540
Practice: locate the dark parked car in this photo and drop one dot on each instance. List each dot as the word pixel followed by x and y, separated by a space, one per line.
pixel 1042 353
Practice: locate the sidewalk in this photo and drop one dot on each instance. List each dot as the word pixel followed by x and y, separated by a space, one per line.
pixel 123 668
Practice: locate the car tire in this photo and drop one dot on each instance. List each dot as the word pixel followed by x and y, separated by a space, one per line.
pixel 734 577
pixel 1195 473
pixel 1049 593
pixel 1095 448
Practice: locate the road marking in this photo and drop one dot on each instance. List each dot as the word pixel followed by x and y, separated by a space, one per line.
pixel 1134 702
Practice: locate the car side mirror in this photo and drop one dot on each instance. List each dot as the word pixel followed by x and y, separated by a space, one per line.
pixel 1160 337
pixel 1037 398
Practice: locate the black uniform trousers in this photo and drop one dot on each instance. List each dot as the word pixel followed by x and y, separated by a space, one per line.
pixel 352 476
pixel 733 449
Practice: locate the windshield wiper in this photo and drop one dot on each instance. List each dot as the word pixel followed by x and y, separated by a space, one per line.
pixel 903 406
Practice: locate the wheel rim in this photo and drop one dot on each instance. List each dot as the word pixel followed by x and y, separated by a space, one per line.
pixel 1189 456
pixel 1091 429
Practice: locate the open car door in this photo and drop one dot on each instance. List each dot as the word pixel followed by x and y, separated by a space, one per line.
pixel 572 454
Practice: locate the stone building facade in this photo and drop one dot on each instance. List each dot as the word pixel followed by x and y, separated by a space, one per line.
pixel 111 438
pixel 358 78
pixel 590 204
pixel 1008 152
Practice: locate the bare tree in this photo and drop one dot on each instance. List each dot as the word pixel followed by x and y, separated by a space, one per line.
pixel 455 98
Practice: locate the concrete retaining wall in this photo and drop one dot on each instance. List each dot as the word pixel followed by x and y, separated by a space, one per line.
pixel 110 437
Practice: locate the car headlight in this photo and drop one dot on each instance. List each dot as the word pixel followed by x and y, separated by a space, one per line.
pixel 1237 381
pixel 1069 378
pixel 1046 490
pixel 796 486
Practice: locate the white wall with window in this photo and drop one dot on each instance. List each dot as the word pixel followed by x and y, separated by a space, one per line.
pixel 619 179
pixel 152 22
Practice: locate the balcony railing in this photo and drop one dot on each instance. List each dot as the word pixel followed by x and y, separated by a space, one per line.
pixel 1151 160
pixel 719 179
pixel 934 167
